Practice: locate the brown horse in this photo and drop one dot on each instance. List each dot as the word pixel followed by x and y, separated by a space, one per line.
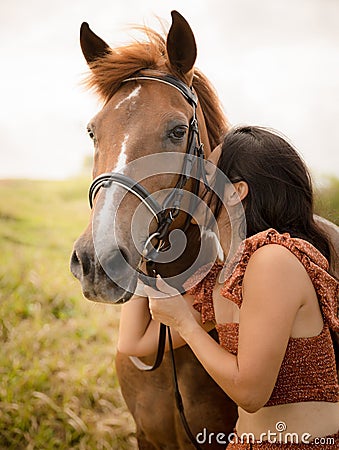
pixel 141 118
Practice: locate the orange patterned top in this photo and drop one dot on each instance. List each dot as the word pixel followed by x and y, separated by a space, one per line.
pixel 308 371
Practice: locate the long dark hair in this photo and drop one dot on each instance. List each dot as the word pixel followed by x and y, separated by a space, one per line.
pixel 280 189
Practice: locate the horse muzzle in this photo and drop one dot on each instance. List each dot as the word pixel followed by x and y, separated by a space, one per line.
pixel 108 278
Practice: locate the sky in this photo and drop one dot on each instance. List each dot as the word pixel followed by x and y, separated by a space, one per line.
pixel 273 63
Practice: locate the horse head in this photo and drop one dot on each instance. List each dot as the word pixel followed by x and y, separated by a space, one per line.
pixel 145 113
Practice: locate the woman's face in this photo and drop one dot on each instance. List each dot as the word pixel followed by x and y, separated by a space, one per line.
pixel 220 228
pixel 210 169
pixel 233 193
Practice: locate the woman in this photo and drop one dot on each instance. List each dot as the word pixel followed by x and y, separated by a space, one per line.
pixel 273 313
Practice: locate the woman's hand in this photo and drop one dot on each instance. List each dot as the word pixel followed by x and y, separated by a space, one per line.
pixel 168 306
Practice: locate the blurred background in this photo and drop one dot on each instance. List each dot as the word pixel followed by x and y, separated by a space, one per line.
pixel 273 63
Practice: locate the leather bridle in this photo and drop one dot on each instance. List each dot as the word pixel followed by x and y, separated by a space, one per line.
pixel 165 213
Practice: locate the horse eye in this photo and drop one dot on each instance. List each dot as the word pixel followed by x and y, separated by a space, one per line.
pixel 178 133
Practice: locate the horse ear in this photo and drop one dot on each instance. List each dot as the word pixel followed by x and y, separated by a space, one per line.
pixel 181 46
pixel 92 46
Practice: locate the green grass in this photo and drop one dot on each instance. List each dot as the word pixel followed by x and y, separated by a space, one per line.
pixel 58 386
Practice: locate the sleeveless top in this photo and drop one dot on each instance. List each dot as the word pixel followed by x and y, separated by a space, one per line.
pixel 308 370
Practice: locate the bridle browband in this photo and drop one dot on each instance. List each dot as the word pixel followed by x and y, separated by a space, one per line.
pixel 164 214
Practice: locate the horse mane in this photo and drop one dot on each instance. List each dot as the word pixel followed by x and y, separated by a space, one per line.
pixel 108 72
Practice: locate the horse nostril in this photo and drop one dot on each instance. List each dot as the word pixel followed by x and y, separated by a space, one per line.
pixel 74 259
pixel 80 264
pixel 75 265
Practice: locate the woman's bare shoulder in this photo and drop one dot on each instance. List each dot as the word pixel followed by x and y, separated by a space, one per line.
pixel 274 268
pixel 273 256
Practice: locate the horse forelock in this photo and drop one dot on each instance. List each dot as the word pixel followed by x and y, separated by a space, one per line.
pixel 108 72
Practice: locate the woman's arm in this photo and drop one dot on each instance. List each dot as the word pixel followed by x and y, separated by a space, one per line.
pixel 271 298
pixel 139 333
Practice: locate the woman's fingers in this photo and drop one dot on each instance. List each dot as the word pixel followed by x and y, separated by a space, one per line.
pixel 163 289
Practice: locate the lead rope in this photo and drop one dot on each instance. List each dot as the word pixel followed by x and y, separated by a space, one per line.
pixel 178 398
pixel 151 281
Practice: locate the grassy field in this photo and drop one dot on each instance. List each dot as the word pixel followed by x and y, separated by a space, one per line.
pixel 58 387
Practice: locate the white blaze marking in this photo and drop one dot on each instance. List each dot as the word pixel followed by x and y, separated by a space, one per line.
pixel 134 93
pixel 122 156
pixel 103 222
pixel 104 218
